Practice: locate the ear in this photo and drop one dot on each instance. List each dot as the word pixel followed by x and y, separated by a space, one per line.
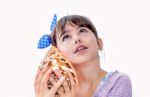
pixel 100 44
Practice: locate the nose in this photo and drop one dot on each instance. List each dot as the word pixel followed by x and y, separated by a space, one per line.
pixel 77 39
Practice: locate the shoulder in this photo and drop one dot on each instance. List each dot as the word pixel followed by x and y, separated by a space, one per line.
pixel 120 85
pixel 117 77
pixel 117 85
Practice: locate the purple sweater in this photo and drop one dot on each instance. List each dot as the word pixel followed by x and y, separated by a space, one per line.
pixel 116 85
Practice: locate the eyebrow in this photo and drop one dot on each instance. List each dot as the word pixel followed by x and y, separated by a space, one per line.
pixel 64 32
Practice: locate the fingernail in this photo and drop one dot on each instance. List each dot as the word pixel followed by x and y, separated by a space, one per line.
pixel 62 78
pixel 66 69
pixel 44 66
pixel 39 68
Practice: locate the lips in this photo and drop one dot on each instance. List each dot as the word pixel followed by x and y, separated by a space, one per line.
pixel 79 48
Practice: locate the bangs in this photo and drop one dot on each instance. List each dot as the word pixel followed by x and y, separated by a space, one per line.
pixel 73 20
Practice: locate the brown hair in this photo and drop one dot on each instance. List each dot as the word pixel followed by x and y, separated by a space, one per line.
pixel 78 20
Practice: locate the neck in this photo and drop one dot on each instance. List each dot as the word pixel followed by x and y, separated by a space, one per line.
pixel 89 72
pixel 89 75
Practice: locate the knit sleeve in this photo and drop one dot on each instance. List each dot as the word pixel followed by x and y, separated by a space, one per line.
pixel 122 87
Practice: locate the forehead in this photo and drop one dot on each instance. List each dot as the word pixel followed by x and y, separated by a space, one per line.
pixel 74 21
pixel 67 28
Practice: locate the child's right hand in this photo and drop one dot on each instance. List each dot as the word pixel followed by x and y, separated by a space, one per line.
pixel 41 86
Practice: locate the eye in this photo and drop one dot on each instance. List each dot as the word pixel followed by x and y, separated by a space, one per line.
pixel 65 37
pixel 82 30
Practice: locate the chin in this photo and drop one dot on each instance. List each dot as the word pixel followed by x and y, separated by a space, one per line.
pixel 80 60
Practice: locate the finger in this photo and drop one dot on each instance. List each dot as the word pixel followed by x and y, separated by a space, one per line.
pixel 35 80
pixel 37 75
pixel 66 86
pixel 52 79
pixel 42 73
pixel 57 86
pixel 38 72
pixel 61 90
pixel 57 71
pixel 45 79
pixel 71 78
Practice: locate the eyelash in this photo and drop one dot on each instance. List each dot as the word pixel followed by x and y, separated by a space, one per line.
pixel 82 30
pixel 65 37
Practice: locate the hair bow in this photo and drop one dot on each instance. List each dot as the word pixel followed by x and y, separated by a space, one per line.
pixel 46 40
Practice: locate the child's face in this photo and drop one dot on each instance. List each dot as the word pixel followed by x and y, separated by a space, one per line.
pixel 78 44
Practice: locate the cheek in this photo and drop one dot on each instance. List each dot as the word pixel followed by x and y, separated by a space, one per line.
pixel 92 41
pixel 68 54
pixel 65 50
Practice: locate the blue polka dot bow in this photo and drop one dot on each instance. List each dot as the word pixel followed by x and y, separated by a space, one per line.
pixel 46 40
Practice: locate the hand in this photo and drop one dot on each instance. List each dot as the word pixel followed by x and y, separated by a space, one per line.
pixel 68 87
pixel 41 85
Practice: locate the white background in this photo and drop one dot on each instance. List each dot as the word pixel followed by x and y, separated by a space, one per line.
pixel 125 28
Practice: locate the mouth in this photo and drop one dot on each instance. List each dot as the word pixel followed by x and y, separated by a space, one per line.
pixel 80 48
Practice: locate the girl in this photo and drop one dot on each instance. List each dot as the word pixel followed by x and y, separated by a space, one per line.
pixel 76 37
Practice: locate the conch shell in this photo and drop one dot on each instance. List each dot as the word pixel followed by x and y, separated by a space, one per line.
pixel 57 60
